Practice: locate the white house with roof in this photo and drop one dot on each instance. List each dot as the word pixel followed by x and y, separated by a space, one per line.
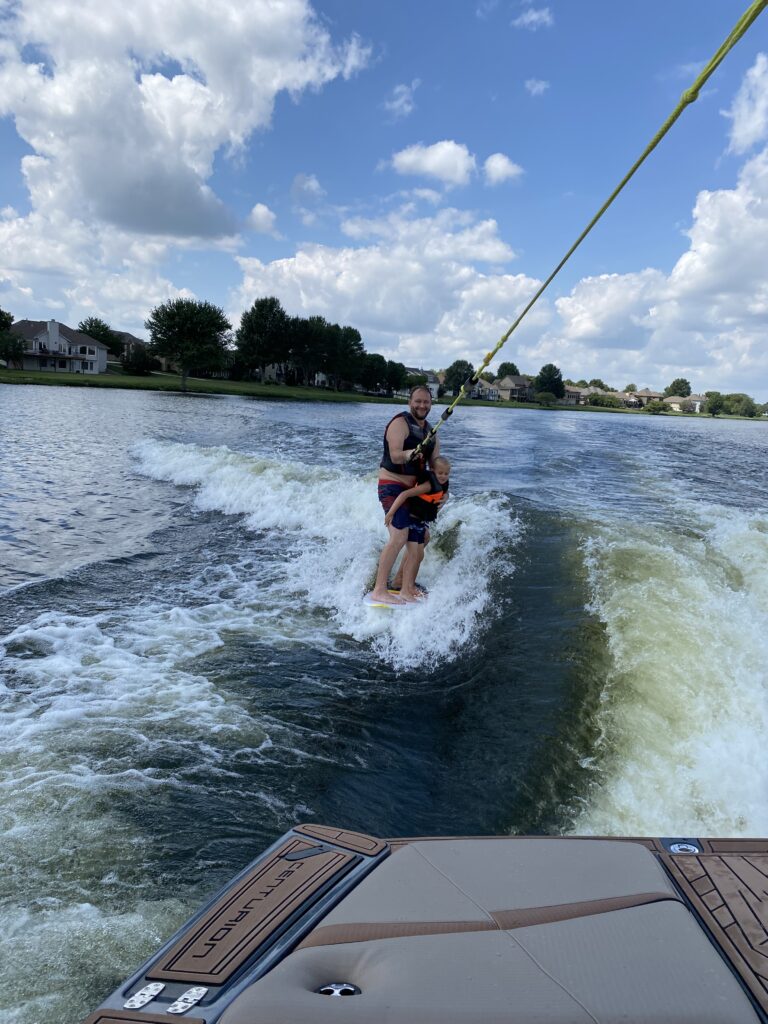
pixel 56 348
pixel 685 403
pixel 432 382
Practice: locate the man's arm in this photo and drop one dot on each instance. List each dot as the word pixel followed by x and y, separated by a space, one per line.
pixel 397 434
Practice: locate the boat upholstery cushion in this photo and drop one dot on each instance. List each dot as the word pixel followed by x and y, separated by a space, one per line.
pixel 647 964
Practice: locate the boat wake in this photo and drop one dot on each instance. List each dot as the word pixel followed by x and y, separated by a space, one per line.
pixel 683 713
pixel 322 530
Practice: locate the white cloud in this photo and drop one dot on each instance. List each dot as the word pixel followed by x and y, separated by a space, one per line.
pixel 447 161
pixel 447 236
pixel 534 18
pixel 53 263
pixel 425 290
pixel 611 310
pixel 749 111
pixel 427 195
pixel 307 192
pixel 401 103
pixel 706 320
pixel 499 168
pixel 306 187
pixel 128 104
pixel 410 284
pixel 485 8
pixel 262 219
pixel 536 86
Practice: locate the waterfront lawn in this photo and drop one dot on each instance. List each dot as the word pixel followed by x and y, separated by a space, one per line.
pixel 195 385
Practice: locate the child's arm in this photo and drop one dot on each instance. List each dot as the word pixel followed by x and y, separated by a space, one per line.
pixel 402 497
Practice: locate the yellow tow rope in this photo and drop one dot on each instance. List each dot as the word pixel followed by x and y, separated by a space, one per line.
pixel 689 96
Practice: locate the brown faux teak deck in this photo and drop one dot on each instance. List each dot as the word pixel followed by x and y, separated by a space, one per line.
pixel 248 913
pixel 729 891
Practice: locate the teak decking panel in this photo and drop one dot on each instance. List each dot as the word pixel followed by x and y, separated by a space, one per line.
pixel 248 914
pixel 729 891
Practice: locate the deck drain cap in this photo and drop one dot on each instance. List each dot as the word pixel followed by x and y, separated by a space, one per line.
pixel 684 848
pixel 338 988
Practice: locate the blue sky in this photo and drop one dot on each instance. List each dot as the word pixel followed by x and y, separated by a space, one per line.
pixel 337 155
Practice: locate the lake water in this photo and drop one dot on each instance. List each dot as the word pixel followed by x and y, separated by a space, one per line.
pixel 188 669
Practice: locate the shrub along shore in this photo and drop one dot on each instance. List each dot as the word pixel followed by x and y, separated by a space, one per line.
pixel 282 392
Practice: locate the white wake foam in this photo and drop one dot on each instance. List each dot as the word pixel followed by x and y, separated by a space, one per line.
pixel 329 525
pixel 685 710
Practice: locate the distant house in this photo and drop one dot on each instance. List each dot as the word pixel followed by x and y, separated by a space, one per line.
pixel 572 395
pixel 629 398
pixel 688 403
pixel 485 391
pixel 646 395
pixel 432 381
pixel 131 344
pixel 515 389
pixel 588 392
pixel 57 348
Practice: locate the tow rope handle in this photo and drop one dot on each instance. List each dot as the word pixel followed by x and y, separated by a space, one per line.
pixel 689 96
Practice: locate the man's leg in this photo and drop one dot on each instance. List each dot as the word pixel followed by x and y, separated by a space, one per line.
pixel 397 539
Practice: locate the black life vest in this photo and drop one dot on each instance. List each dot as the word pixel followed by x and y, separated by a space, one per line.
pixel 425 506
pixel 416 435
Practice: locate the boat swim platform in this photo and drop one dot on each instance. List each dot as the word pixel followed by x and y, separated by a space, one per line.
pixel 511 929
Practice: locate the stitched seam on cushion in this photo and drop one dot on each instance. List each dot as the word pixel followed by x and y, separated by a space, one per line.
pixel 483 911
pixel 561 985
pixel 512 939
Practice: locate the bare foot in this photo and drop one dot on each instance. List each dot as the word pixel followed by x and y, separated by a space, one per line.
pixel 384 597
pixel 411 596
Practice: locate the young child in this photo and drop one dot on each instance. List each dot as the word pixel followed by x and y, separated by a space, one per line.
pixel 423 504
pixel 424 499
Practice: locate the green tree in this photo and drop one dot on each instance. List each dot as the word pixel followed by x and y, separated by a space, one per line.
pixel 550 379
pixel 545 398
pixel 456 374
pixel 508 370
pixel 100 330
pixel 487 376
pixel 606 401
pixel 342 354
pixel 596 382
pixel 679 387
pixel 396 376
pixel 631 389
pixel 656 407
pixel 739 405
pixel 12 350
pixel 139 362
pixel 263 335
pixel 373 376
pixel 306 344
pixel 190 333
pixel 11 345
pixel 715 403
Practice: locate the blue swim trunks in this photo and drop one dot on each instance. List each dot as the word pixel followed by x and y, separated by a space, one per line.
pixel 388 491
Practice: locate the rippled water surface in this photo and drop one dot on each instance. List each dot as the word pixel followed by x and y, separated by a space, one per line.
pixel 187 669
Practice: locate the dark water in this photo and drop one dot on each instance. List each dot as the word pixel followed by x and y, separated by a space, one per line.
pixel 188 670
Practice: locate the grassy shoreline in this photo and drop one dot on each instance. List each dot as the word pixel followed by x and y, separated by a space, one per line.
pixel 170 382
